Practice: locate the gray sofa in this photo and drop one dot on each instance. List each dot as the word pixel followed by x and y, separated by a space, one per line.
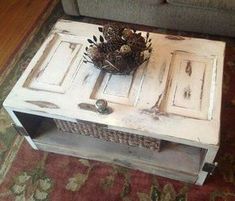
pixel 204 16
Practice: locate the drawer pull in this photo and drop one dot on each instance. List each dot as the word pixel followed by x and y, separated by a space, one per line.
pixel 101 106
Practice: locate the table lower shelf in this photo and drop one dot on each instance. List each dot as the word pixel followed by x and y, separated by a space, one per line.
pixel 176 161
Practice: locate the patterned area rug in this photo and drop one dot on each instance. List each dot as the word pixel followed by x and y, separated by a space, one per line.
pixel 29 175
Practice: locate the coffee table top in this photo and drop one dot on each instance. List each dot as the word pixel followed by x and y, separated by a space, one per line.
pixel 176 96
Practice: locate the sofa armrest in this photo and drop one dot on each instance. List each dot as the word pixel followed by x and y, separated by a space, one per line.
pixel 70 7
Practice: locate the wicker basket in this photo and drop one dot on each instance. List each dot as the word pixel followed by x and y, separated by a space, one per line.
pixel 102 132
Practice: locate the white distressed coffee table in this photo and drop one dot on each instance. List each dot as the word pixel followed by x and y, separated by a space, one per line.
pixel 175 97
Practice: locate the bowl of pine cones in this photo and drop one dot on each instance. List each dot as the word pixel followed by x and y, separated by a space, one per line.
pixel 118 50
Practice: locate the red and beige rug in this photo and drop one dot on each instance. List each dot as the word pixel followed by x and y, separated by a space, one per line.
pixel 29 175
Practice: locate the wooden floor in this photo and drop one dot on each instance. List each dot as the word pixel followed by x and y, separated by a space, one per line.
pixel 18 18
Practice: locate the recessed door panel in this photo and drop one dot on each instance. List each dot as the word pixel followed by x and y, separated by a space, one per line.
pixel 120 89
pixel 190 85
pixel 56 65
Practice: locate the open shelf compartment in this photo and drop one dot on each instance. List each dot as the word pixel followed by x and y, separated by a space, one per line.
pixel 178 161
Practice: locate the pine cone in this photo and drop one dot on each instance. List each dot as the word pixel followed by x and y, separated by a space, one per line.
pixel 125 50
pixel 106 47
pixel 136 42
pixel 126 33
pixel 110 46
pixel 112 31
pixel 135 59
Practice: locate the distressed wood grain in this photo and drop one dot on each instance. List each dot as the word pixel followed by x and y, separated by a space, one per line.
pixel 175 96
pixel 43 104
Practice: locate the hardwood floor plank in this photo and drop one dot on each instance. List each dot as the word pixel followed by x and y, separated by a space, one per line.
pixel 17 19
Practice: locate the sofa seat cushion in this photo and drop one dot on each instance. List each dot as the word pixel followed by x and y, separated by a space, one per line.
pixel 206 4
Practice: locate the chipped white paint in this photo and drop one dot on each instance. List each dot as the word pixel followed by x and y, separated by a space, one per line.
pixel 190 85
pixel 120 89
pixel 175 96
pixel 43 76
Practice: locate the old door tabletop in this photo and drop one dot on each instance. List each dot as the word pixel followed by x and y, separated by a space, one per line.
pixel 175 96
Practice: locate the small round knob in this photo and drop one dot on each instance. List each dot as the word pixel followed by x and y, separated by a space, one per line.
pixel 101 105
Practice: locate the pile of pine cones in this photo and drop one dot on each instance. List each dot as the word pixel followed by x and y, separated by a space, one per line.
pixel 119 51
